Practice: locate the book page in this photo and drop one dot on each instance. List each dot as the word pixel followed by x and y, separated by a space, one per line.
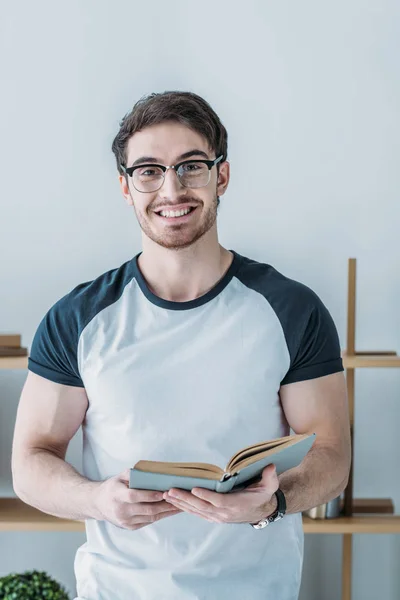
pixel 204 470
pixel 248 458
pixel 256 448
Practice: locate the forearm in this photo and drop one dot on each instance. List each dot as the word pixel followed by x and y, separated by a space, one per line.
pixel 50 484
pixel 322 476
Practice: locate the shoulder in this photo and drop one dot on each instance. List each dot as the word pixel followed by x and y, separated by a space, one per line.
pixel 281 291
pixel 53 352
pixel 87 299
pixel 309 330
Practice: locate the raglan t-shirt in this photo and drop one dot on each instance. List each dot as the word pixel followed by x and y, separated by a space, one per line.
pixel 185 381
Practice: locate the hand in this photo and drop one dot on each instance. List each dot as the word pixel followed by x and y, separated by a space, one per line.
pixel 127 508
pixel 254 503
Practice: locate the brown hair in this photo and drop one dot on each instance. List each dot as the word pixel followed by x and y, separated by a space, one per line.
pixel 186 108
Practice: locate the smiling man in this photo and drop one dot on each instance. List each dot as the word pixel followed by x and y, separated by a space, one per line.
pixel 186 352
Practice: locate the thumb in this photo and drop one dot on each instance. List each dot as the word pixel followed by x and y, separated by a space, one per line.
pixel 269 479
pixel 269 471
pixel 124 476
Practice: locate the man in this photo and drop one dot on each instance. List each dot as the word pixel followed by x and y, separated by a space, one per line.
pixel 187 352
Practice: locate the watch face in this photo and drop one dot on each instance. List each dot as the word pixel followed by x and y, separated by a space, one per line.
pixel 275 517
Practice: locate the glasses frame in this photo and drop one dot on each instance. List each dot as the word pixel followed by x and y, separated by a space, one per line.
pixel 210 163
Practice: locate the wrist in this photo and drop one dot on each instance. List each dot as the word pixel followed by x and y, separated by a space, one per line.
pixel 278 513
pixel 93 504
pixel 273 506
pixel 269 508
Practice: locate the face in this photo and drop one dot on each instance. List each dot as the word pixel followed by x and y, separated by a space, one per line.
pixel 166 143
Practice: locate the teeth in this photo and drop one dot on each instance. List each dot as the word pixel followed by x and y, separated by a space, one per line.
pixel 175 213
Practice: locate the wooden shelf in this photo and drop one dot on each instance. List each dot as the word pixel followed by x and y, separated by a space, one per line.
pixel 15 515
pixel 370 360
pixel 354 361
pixel 13 362
pixel 372 506
pixel 352 522
pixel 355 524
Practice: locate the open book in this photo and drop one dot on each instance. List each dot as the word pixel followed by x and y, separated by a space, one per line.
pixel 244 468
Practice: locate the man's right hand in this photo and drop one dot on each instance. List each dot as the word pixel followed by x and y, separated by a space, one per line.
pixel 127 508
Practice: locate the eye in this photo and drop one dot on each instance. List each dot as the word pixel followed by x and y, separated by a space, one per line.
pixel 190 167
pixel 148 172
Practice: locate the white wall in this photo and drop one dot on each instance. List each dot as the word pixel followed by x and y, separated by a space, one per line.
pixel 309 93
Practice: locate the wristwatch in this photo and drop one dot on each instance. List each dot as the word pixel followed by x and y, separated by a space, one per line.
pixel 278 514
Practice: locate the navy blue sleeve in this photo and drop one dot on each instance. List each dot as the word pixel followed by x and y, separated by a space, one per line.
pixel 310 333
pixel 313 341
pixel 53 353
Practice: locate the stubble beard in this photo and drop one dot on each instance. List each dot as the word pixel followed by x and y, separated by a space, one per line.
pixel 179 236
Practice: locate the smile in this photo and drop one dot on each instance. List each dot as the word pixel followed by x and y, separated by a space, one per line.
pixel 178 216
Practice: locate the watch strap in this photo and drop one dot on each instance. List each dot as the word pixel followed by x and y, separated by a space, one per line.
pixel 278 514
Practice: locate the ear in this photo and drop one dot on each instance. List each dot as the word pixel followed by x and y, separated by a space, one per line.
pixel 223 178
pixel 125 190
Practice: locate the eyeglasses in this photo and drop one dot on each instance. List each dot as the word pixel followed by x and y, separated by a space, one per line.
pixel 191 173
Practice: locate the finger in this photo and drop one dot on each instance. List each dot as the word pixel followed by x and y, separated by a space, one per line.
pixel 124 476
pixel 146 508
pixel 141 521
pixel 210 514
pixel 170 509
pixel 133 495
pixel 153 517
pixel 212 518
pixel 236 502
pixel 269 480
pixel 168 513
pixel 190 499
pixel 216 499
pixel 136 495
pixel 182 503
pixel 268 472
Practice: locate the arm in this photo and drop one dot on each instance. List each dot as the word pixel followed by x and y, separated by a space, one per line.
pixel 314 400
pixel 312 406
pixel 49 414
pixel 320 406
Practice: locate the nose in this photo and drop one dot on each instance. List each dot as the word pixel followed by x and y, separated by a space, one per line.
pixel 172 187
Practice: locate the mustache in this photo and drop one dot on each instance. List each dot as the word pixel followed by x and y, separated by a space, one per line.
pixel 185 200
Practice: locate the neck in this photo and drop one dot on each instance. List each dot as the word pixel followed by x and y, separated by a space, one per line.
pixel 186 274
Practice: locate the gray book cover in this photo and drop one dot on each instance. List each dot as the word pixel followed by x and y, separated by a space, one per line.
pixel 284 459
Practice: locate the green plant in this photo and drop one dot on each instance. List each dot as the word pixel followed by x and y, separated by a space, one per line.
pixel 31 585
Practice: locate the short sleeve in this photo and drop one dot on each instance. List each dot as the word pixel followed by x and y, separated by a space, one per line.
pixel 315 352
pixel 54 348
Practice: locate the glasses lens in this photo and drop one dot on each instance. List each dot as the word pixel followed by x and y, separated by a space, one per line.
pixel 194 174
pixel 148 179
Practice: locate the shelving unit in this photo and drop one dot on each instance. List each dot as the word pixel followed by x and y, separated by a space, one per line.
pixel 17 362
pixel 359 516
pixel 352 360
pixel 368 360
pixel 15 515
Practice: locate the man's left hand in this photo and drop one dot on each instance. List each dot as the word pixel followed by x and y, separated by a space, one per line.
pixel 250 505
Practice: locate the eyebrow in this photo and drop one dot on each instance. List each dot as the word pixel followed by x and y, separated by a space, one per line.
pixel 153 159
